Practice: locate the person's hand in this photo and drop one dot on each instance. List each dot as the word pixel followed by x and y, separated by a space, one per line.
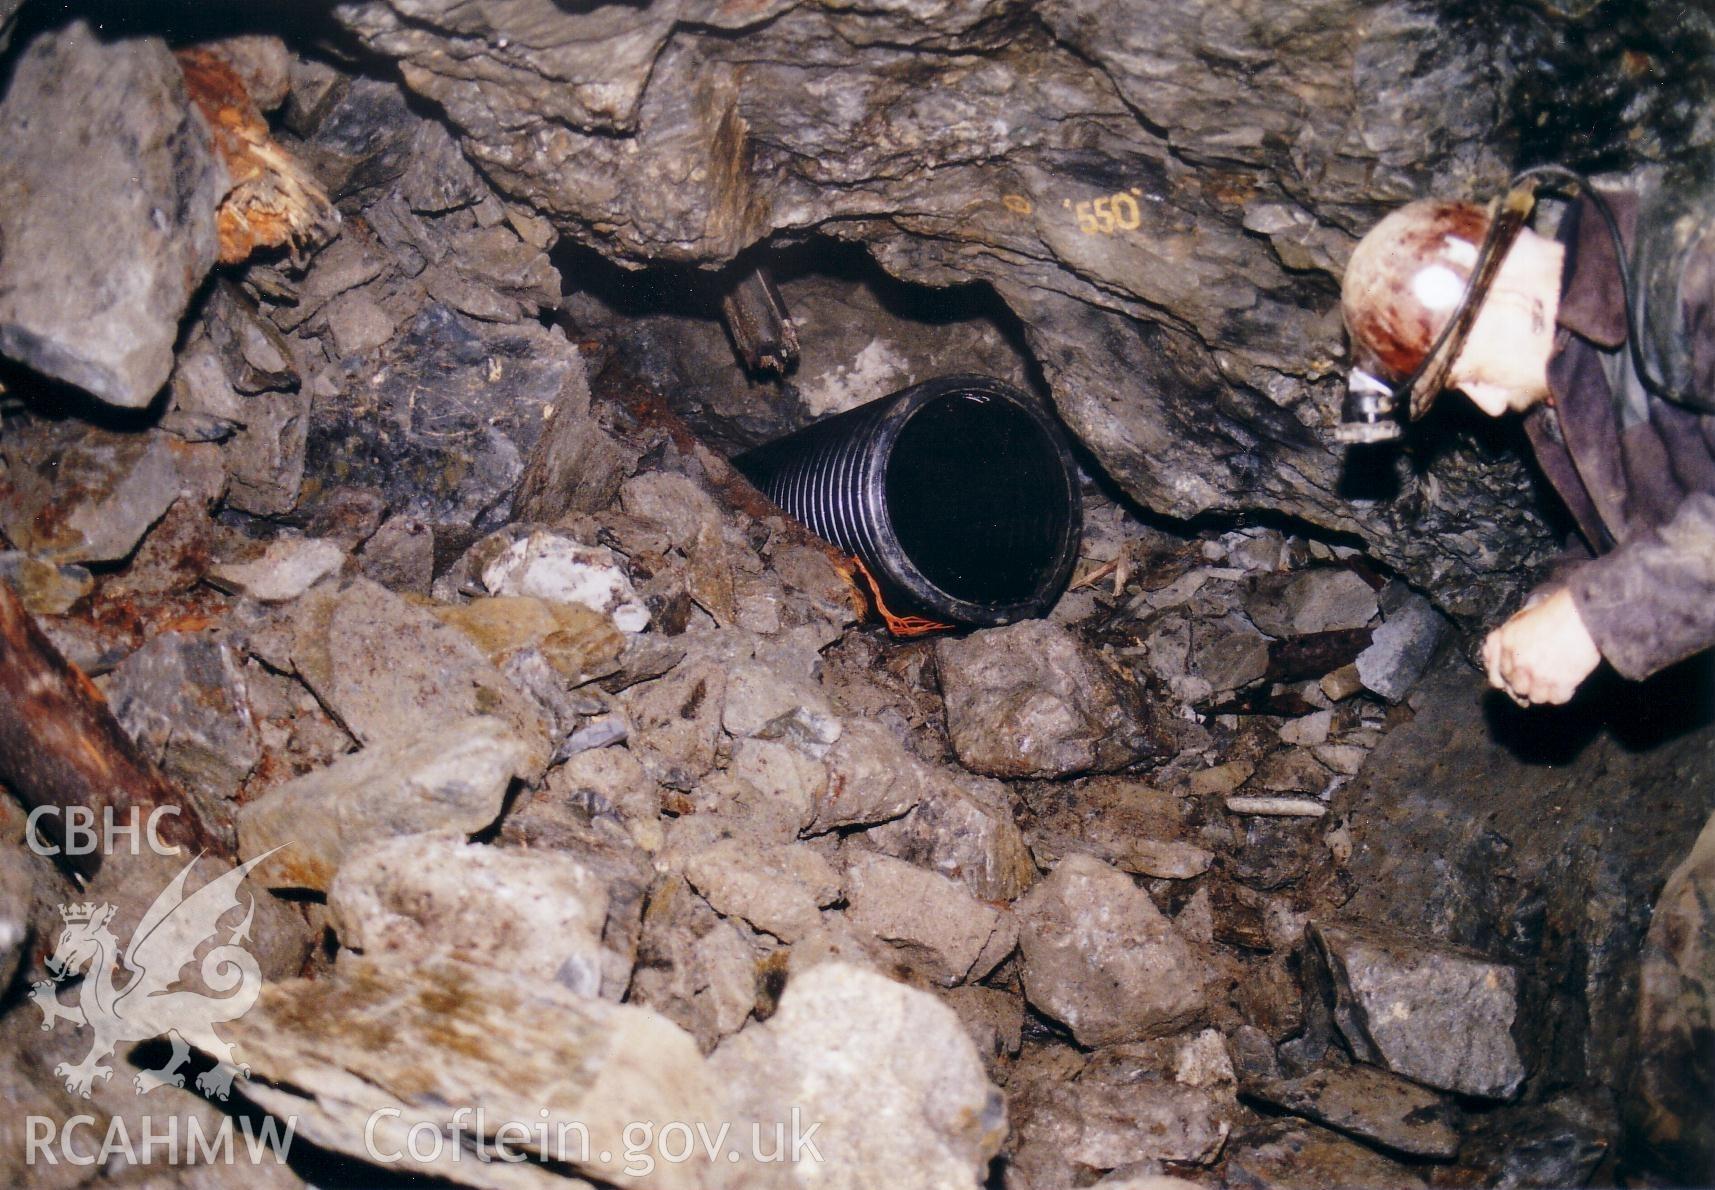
pixel 1542 653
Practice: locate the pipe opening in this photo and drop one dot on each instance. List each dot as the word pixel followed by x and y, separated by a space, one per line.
pixel 975 491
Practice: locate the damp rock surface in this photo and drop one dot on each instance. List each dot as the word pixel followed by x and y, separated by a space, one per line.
pixel 1470 788
pixel 1390 1111
pixel 108 188
pixel 1678 973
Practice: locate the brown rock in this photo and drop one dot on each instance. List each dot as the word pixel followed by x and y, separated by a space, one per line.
pixel 454 778
pixel 1370 1104
pixel 1030 700
pixel 933 923
pixel 1100 957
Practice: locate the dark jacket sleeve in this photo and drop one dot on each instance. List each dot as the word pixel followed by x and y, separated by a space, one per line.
pixel 1651 601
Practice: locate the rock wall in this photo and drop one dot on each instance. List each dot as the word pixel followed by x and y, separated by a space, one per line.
pixel 1163 194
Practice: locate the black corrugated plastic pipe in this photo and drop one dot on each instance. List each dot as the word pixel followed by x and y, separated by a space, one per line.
pixel 958 494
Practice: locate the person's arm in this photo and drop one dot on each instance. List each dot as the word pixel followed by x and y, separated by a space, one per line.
pixel 1651 601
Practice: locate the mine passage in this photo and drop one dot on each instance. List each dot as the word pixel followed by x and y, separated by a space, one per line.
pixel 796 595
pixel 974 490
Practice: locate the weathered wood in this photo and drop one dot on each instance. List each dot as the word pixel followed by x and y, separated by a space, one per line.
pixel 761 328
pixel 61 746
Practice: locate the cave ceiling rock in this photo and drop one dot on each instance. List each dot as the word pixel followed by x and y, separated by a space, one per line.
pixel 1163 194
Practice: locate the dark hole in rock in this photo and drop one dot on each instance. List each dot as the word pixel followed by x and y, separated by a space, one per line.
pixel 975 499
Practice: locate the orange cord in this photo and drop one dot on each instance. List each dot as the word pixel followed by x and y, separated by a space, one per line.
pixel 904 626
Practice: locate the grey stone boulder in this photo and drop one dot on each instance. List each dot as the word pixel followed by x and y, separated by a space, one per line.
pixel 1227 653
pixel 401 555
pixel 1098 956
pixel 74 493
pixel 108 189
pixel 871 778
pixel 537 915
pixel 1403 644
pixel 287 568
pixel 1440 1015
pixel 183 699
pixel 888 1071
pixel 453 778
pixel 762 701
pixel 779 889
pixel 927 921
pixel 694 966
pixel 389 670
pixel 1172 1099
pixel 1321 600
pixel 679 715
pixel 1030 700
pixel 1370 1104
pixel 963 828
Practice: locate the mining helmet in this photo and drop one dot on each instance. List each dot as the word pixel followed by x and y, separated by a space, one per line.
pixel 1410 297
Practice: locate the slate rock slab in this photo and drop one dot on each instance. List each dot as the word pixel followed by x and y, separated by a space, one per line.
pixel 1370 1104
pixel 1284 1157
pixel 453 778
pixel 383 1046
pixel 388 669
pixel 108 190
pixel 184 700
pixel 75 493
pixel 1439 1015
pixel 1326 599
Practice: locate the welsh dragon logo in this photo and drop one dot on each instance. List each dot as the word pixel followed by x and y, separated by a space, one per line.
pixel 149 1005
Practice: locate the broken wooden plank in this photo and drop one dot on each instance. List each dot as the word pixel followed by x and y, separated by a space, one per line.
pixel 60 746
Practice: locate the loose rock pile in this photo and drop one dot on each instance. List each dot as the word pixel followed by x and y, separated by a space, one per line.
pixel 588 802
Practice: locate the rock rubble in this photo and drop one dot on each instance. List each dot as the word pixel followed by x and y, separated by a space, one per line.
pixel 581 798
